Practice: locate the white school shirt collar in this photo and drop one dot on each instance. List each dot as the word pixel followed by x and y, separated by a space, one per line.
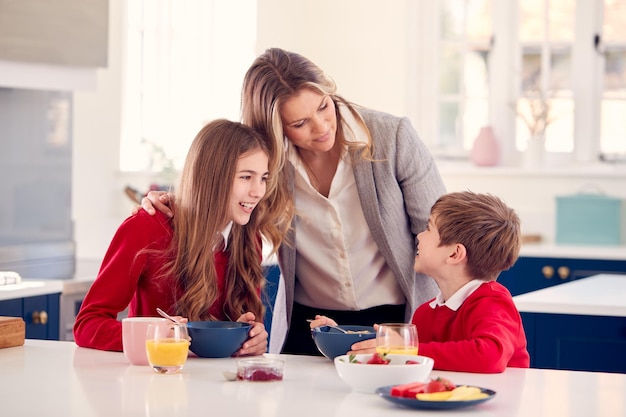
pixel 457 299
pixel 226 233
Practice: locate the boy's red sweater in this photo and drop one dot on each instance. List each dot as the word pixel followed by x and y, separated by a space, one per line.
pixel 484 335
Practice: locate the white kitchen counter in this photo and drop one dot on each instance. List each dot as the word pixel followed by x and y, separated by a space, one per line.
pixel 86 382
pixel 550 250
pixel 86 272
pixel 30 288
pixel 598 295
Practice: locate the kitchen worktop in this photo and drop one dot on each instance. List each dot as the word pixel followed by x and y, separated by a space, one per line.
pixel 598 295
pixel 86 382
pixel 79 283
pixel 551 250
pixel 30 288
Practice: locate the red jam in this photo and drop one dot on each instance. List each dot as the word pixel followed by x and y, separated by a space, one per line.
pixel 259 374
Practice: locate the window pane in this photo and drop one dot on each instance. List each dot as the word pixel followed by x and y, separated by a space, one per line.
pixel 560 130
pixel 615 72
pixel 614 21
pixel 448 119
pixel 560 69
pixel 452 19
pixel 463 79
pixel 449 81
pixel 532 27
pixel 479 20
pixel 561 20
pixel 531 67
pixel 476 73
pixel 613 133
pixel 476 116
pixel 613 106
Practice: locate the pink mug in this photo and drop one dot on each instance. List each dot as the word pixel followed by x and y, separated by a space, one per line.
pixel 134 331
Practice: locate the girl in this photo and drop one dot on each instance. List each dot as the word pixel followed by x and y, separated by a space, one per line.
pixel 205 263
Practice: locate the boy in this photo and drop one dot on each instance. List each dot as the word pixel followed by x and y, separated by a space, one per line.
pixel 472 325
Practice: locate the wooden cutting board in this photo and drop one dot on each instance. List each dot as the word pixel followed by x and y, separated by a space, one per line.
pixel 12 331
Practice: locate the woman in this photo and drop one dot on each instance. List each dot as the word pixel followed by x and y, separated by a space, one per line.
pixel 205 263
pixel 362 183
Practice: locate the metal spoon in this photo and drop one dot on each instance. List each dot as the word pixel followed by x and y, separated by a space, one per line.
pixel 167 316
pixel 334 327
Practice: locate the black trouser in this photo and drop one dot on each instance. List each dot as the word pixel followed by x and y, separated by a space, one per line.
pixel 299 340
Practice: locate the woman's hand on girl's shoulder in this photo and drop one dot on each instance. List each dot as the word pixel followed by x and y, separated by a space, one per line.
pixel 157 200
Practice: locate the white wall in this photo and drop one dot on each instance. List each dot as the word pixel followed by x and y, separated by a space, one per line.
pixel 369 50
pixel 98 205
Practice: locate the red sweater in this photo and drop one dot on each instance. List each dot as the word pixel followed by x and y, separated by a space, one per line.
pixel 130 280
pixel 484 335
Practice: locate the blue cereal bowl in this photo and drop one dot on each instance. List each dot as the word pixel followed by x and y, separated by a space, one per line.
pixel 217 339
pixel 332 342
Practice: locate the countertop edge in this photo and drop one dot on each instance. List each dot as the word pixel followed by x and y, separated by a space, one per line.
pixel 30 288
pixel 597 295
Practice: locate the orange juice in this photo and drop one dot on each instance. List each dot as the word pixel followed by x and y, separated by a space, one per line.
pixel 401 350
pixel 167 352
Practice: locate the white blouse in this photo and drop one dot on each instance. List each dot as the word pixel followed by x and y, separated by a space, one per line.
pixel 338 264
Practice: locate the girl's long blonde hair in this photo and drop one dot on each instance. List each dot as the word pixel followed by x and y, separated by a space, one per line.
pixel 202 212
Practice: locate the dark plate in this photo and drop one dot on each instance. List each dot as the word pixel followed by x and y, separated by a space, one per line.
pixel 431 405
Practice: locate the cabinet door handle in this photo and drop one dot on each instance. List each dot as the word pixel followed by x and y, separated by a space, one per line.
pixel 547 271
pixel 563 272
pixel 40 317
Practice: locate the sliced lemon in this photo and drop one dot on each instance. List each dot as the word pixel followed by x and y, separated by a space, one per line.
pixel 465 393
pixel 434 396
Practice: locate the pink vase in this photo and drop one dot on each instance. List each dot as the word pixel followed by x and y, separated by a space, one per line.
pixel 486 149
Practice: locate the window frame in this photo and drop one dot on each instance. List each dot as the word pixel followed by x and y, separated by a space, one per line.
pixel 504 64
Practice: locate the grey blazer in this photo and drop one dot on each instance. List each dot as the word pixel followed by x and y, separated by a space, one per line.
pixel 396 191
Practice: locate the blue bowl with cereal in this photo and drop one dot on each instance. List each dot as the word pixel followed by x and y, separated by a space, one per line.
pixel 332 342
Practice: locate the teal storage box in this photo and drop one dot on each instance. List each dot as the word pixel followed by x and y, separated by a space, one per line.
pixel 589 219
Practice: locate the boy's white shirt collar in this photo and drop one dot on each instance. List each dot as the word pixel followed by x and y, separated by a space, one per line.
pixel 457 299
pixel 226 233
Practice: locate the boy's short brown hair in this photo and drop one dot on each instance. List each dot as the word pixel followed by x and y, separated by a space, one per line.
pixel 485 225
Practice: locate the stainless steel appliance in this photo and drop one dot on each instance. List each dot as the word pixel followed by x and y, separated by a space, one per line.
pixel 36 234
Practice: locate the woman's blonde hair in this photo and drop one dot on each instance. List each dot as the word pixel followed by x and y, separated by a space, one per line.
pixel 273 78
pixel 202 212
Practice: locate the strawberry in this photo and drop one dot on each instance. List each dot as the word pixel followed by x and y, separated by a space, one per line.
pixel 445 381
pixel 411 362
pixel 439 385
pixel 378 359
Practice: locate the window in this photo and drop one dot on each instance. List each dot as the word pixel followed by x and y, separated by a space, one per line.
pixel 465 33
pixel 612 47
pixel 546 35
pixel 184 66
pixel 495 60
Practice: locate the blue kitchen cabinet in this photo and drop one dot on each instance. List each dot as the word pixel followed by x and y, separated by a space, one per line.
pixel 272 276
pixel 576 342
pixel 535 273
pixel 41 314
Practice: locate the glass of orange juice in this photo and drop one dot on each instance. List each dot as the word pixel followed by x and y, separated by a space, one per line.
pixel 167 346
pixel 398 338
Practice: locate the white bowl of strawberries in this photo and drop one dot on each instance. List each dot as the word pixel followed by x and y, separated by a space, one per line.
pixel 366 372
